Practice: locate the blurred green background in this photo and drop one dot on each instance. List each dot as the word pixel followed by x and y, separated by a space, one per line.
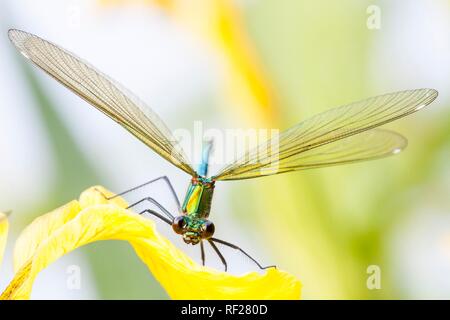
pixel 291 59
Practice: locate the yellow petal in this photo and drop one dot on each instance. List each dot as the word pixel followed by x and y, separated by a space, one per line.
pixel 41 229
pixel 3 234
pixel 98 219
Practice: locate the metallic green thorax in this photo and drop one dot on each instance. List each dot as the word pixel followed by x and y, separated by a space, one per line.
pixel 194 224
pixel 197 203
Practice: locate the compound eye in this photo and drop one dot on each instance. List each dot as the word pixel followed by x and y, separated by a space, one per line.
pixel 178 224
pixel 207 229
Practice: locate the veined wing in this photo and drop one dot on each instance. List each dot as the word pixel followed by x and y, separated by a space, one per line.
pixel 329 137
pixel 102 92
pixel 368 145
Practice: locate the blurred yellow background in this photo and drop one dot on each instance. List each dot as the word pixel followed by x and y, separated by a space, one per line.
pixel 239 64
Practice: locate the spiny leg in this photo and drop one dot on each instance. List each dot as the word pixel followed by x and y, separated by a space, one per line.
pixel 156 214
pixel 202 250
pixel 238 248
pixel 151 200
pixel 218 253
pixel 164 178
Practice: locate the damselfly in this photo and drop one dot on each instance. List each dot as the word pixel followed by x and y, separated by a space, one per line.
pixel 341 135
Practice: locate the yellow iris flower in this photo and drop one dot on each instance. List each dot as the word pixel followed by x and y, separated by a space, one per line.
pixel 93 218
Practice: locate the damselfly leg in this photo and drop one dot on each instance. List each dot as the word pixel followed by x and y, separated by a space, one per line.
pixel 224 262
pixel 163 178
pixel 156 214
pixel 233 246
pixel 156 203
pixel 202 251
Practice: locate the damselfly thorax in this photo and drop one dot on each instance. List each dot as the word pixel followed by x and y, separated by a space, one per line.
pixel 193 224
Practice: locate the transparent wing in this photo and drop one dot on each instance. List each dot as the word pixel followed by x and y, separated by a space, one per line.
pixel 368 145
pixel 103 93
pixel 314 142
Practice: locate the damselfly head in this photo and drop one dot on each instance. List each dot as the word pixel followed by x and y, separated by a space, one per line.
pixel 193 229
pixel 191 238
